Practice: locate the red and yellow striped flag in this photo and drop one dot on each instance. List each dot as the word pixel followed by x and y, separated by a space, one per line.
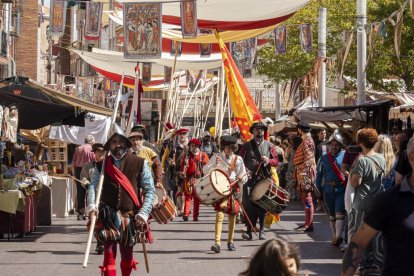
pixel 242 103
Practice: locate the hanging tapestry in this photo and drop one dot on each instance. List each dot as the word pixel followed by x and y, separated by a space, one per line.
pixel 244 52
pixel 280 40
pixel 142 30
pixel 189 19
pixel 306 40
pixel 146 72
pixel 58 17
pixel 84 88
pixel 176 46
pixel 205 49
pixel 93 20
pixel 167 74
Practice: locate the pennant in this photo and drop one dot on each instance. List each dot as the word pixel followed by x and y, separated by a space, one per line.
pixel 244 52
pixel 280 40
pixel 146 72
pixel 189 18
pixel 93 20
pixel 346 52
pixel 176 46
pixel 382 30
pixel 142 30
pixel 242 103
pixel 205 49
pixel 411 2
pixel 58 17
pixel 397 32
pixel 372 39
pixel 306 37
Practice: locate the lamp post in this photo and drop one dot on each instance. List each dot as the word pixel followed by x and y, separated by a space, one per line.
pixel 362 49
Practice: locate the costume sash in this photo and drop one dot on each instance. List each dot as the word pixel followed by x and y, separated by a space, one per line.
pixel 336 170
pixel 120 178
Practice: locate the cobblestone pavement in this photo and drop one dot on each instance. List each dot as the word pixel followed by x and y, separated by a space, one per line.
pixel 180 248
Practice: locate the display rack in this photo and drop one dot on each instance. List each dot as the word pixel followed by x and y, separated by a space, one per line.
pixel 57 152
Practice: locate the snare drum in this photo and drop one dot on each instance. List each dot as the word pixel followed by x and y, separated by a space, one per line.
pixel 164 211
pixel 212 187
pixel 269 196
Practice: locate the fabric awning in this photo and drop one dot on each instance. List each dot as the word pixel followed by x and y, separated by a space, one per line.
pixel 36 113
pixel 70 100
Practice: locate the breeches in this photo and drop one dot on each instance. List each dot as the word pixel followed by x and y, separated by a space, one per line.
pixel 335 203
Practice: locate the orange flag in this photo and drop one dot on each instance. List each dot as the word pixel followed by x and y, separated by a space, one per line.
pixel 242 103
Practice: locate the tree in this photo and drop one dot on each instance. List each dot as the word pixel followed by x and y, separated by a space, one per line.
pixel 341 17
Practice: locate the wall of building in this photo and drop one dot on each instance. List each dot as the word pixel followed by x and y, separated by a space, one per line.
pixel 26 55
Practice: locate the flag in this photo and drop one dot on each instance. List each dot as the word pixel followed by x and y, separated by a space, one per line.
pixel 242 103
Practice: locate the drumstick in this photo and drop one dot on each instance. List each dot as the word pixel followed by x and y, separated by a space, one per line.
pixel 258 168
pixel 248 219
pixel 220 159
pixel 144 250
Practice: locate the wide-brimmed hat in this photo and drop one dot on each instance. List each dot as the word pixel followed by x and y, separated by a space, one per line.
pixel 97 146
pixel 228 140
pixel 206 133
pixel 304 126
pixel 258 125
pixel 128 143
pixel 195 141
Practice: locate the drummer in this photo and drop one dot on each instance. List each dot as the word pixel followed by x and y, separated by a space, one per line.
pixel 233 166
pixel 259 156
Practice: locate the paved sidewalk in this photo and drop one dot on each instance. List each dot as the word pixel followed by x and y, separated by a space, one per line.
pixel 180 248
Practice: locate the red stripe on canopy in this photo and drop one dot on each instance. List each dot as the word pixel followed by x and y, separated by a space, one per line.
pixel 228 25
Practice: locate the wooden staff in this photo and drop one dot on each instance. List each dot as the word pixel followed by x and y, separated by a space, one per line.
pixel 93 218
pixel 144 250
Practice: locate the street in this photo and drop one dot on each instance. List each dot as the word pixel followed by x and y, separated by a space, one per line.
pixel 180 248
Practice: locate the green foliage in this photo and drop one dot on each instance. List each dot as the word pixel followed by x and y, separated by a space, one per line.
pixel 341 16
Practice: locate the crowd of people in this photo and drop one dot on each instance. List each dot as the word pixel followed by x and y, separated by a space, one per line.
pixel 341 177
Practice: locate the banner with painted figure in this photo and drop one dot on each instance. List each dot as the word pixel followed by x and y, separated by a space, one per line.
pixel 142 30
pixel 280 40
pixel 306 37
pixel 93 20
pixel 60 83
pixel 57 17
pixel 176 46
pixel 194 77
pixel 84 88
pixel 205 49
pixel 244 54
pixel 189 18
pixel 146 72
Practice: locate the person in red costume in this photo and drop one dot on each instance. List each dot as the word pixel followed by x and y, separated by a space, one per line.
pixel 190 170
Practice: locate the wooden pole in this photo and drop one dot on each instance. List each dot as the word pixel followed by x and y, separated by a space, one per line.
pixel 93 218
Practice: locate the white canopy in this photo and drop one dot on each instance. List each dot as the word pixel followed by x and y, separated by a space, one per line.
pixel 232 12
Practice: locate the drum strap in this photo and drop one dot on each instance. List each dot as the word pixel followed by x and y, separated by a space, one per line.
pixel 233 164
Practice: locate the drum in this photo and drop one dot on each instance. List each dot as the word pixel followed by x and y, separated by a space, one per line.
pixel 164 211
pixel 212 187
pixel 269 196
